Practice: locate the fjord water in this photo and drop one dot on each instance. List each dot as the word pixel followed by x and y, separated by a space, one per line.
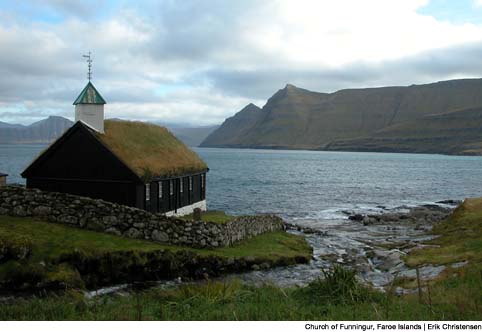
pixel 320 185
pixel 313 184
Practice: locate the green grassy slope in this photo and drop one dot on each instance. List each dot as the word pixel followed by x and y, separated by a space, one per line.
pixel 460 238
pixel 456 295
pixel 82 256
pixel 51 240
pixel 298 118
pixel 456 132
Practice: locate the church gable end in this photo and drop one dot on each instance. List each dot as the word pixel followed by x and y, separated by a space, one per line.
pixel 78 155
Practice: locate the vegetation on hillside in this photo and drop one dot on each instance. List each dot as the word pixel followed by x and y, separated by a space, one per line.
pixel 440 117
pixel 460 238
pixel 50 254
pixel 339 297
pixel 456 295
pixel 456 132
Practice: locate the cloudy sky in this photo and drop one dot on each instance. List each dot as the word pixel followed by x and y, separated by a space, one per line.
pixel 197 62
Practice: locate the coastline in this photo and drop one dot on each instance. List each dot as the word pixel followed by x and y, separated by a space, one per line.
pixel 373 244
pixel 320 149
pixel 438 296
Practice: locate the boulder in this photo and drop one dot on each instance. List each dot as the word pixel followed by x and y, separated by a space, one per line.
pixel 356 217
pixel 160 236
pixel 133 233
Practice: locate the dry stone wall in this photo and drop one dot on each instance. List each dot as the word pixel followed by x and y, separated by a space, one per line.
pixel 102 216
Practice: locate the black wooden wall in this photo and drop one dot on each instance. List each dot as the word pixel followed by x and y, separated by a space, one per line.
pixel 79 164
pixel 177 198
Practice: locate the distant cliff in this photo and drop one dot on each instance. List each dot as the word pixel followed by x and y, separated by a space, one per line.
pixel 43 131
pixel 234 128
pixel 193 136
pixel 441 117
pixel 47 130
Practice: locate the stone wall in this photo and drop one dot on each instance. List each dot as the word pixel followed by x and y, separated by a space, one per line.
pixel 102 216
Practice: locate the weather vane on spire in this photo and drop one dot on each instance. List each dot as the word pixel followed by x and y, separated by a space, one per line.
pixel 89 65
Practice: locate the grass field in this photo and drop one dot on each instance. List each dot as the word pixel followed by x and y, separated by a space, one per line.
pixel 218 217
pixel 460 238
pixel 73 258
pixel 51 240
pixel 456 298
pixel 456 295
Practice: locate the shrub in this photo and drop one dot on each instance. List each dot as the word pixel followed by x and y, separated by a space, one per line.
pixel 21 275
pixel 338 285
pixel 14 247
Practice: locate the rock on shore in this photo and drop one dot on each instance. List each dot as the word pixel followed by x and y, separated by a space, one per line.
pixel 372 244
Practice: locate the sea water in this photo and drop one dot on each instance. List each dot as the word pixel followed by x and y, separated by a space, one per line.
pixel 313 184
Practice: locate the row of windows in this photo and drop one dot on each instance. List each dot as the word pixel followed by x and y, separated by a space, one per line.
pixel 171 187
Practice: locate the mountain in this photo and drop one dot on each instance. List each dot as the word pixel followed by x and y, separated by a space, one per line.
pixel 371 119
pixel 43 131
pixel 10 125
pixel 47 130
pixel 456 132
pixel 234 128
pixel 193 136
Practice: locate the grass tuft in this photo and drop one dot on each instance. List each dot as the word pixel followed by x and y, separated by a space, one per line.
pixel 338 285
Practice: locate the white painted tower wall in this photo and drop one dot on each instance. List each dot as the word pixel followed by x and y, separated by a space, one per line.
pixel 91 114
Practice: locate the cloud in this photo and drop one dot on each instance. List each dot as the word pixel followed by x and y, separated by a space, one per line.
pixel 198 62
pixel 421 68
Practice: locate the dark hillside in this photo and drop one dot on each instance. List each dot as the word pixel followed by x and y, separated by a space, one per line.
pixel 296 118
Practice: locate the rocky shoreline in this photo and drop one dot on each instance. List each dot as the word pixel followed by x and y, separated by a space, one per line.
pixel 372 243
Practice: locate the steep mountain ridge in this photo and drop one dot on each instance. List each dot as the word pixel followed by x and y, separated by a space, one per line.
pixel 235 127
pixel 296 118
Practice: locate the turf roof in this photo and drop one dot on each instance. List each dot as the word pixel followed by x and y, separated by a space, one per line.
pixel 150 151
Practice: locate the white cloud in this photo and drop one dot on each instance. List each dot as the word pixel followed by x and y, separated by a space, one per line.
pixel 199 62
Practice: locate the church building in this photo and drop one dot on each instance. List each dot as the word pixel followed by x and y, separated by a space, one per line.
pixel 131 163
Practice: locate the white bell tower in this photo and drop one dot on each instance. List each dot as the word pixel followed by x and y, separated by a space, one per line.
pixel 89 105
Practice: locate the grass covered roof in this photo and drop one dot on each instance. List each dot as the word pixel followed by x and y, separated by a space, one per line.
pixel 150 151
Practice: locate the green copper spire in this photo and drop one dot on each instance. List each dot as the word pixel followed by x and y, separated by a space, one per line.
pixel 89 95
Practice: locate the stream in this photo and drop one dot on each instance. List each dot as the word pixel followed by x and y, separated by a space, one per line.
pixel 372 243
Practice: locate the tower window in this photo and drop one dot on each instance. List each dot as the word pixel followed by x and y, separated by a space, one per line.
pixel 181 185
pixel 190 183
pixel 160 189
pixel 171 188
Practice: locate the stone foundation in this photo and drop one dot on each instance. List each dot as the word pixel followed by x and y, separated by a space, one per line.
pixel 185 210
pixel 107 217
